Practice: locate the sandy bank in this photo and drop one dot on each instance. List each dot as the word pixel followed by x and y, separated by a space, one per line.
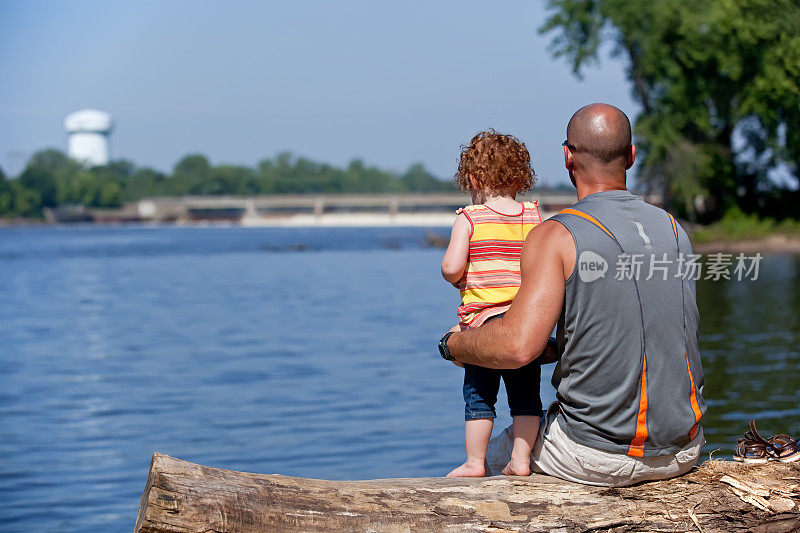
pixel 772 244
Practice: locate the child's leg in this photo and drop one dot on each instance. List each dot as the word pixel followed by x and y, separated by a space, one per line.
pixel 525 430
pixel 522 386
pixel 480 395
pixel 477 434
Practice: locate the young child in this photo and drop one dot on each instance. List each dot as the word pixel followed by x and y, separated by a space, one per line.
pixel 482 260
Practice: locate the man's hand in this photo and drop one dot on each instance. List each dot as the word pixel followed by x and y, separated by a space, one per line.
pixel 550 353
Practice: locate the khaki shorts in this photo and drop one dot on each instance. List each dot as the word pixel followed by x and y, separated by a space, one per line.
pixel 557 455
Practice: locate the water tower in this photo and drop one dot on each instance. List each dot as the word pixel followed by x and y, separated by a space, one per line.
pixel 87 136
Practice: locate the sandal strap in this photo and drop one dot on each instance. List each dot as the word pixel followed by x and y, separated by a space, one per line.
pixel 782 445
pixel 781 438
pixel 754 435
pixel 750 448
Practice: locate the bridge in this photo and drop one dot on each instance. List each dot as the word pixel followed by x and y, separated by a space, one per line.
pixel 408 209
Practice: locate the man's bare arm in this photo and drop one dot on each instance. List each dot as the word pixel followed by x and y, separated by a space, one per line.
pixel 516 339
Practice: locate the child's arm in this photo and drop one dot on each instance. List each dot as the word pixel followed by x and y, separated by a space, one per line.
pixel 457 254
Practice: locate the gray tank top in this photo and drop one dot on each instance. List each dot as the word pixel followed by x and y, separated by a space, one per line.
pixel 629 379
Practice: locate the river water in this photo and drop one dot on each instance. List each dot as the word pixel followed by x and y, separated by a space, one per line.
pixel 306 352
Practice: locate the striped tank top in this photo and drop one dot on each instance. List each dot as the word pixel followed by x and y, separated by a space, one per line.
pixel 492 277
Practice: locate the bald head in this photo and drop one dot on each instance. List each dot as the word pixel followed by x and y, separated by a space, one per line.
pixel 601 135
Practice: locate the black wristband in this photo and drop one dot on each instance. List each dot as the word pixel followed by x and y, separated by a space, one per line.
pixel 444 351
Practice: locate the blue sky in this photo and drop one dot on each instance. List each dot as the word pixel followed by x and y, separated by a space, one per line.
pixel 390 83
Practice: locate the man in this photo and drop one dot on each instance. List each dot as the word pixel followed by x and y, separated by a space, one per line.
pixel 610 271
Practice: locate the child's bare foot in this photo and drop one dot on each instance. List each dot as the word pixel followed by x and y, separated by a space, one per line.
pixel 468 469
pixel 517 468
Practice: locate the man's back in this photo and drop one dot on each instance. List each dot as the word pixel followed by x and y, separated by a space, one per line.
pixel 630 378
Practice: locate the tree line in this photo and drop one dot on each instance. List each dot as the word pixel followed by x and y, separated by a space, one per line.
pixel 719 87
pixel 51 179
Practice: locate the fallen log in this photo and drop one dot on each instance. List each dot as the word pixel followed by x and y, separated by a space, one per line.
pixel 717 496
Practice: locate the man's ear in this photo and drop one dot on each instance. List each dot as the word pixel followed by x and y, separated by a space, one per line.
pixel 568 160
pixel 631 157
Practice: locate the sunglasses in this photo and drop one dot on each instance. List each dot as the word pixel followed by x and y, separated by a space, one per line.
pixel 570 146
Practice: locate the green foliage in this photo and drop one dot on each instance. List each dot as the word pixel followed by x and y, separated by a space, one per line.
pixel 41 175
pixel 26 202
pixel 144 182
pixel 6 196
pixel 736 225
pixel 718 82
pixel 416 178
pixel 51 179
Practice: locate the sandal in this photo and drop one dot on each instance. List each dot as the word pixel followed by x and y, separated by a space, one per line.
pixel 750 451
pixel 783 448
pixel 753 448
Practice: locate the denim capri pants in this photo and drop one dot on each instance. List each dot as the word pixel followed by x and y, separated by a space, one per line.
pixel 482 384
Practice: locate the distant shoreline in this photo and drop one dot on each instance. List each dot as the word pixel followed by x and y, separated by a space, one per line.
pixel 337 220
pixel 776 243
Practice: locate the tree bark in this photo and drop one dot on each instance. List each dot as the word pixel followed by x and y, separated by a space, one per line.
pixel 717 496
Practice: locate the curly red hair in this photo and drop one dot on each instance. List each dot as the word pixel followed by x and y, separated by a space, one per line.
pixel 496 162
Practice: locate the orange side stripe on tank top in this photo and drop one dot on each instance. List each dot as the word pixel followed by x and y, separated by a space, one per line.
pixel 590 218
pixel 693 397
pixel 636 448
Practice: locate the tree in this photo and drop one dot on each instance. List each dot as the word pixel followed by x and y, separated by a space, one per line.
pixel 718 82
pixel 49 178
pixel 6 196
pixel 416 178
pixel 43 181
pixel 109 195
pixel 143 183
pixel 189 175
pixel 27 202
pixel 194 165
pixel 51 159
